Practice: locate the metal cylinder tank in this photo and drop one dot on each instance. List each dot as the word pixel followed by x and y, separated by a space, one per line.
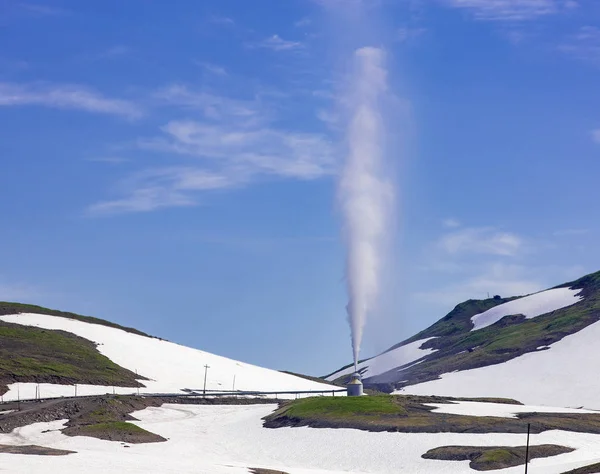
pixel 355 387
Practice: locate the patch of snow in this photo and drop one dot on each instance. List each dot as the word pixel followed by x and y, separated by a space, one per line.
pixel 230 439
pixel 502 410
pixel 388 360
pixel 170 367
pixel 564 375
pixel 530 306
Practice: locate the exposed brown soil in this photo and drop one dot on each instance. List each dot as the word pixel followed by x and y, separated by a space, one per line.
pixel 489 458
pixel 257 470
pixel 32 449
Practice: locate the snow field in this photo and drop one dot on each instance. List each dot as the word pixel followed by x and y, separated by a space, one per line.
pixel 502 410
pixel 229 439
pixel 530 306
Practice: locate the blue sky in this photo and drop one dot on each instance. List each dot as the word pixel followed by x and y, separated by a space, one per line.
pixel 173 167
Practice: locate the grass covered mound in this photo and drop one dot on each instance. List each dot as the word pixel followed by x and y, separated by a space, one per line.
pixel 489 458
pixel 108 418
pixel 410 414
pixel 30 354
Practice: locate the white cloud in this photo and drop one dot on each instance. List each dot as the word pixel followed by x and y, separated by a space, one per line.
pixel 260 150
pixel 596 135
pixel 43 10
pixel 484 240
pixel 230 143
pixel 115 160
pixel 212 106
pixel 406 33
pixel 303 22
pixel 511 10
pixel 72 97
pixel 277 43
pixel 585 44
pixel 161 188
pixel 451 223
pixel 222 20
pixel 213 69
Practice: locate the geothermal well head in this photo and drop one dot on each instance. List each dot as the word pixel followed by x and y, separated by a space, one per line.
pixel 355 387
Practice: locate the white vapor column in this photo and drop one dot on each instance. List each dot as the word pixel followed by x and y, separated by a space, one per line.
pixel 365 192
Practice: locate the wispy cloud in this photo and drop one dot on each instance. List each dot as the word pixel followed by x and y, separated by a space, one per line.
pixel 232 143
pixel 451 223
pixel 212 106
pixel 214 69
pixel 407 34
pixel 512 10
pixel 117 51
pixel 160 188
pixel 585 44
pixel 277 43
pixel 72 97
pixel 43 10
pixel 482 240
pixel 114 160
pixel 222 20
pixel 303 22
pixel 596 135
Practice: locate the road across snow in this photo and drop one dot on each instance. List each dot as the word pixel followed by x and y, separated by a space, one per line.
pixel 230 439
pixel 388 360
pixel 529 306
pixel 170 367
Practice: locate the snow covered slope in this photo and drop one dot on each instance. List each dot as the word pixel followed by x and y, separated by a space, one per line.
pixel 529 306
pixel 566 374
pixel 540 349
pixel 170 367
pixel 389 360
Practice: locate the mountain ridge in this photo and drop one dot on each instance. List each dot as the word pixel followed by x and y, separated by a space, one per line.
pixel 454 344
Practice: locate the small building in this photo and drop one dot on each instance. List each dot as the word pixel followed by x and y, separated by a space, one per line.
pixel 355 387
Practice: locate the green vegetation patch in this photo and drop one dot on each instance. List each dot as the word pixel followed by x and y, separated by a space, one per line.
pixel 411 414
pixel 30 354
pixel 7 308
pixel 345 407
pixel 488 458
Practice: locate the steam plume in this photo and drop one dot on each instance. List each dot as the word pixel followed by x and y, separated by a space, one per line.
pixel 364 191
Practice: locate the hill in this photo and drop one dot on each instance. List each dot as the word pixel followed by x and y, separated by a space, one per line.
pixel 45 353
pixel 538 348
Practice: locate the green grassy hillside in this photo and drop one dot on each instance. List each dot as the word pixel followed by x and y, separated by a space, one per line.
pixel 29 354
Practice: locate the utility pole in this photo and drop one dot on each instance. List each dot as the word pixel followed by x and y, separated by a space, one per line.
pixel 233 389
pixel 527 448
pixel 206 367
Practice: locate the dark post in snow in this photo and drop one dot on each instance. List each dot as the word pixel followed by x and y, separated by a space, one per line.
pixel 206 367
pixel 527 448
